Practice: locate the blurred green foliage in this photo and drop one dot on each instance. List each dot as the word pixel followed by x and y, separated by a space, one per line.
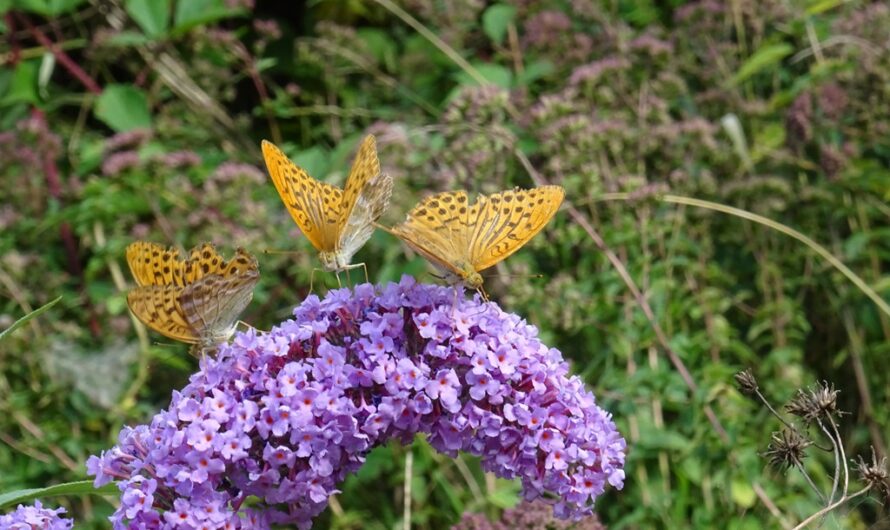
pixel 142 119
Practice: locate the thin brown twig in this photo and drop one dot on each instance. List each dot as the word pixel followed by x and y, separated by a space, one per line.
pixel 830 507
pixel 63 58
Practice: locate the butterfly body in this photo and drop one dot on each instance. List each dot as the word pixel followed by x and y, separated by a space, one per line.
pixel 463 239
pixel 196 300
pixel 336 222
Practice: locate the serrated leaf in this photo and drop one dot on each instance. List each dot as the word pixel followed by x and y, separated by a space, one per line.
pixel 495 21
pixel 763 59
pixel 153 16
pixel 123 108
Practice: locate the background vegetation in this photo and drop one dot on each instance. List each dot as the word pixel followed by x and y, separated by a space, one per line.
pixel 141 119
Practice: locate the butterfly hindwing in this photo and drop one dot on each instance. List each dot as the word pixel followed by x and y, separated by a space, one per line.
pixel 313 205
pixel 212 304
pixel 506 221
pixel 369 206
pixel 158 307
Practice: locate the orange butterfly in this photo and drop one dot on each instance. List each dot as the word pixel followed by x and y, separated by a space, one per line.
pixel 462 240
pixel 196 300
pixel 337 222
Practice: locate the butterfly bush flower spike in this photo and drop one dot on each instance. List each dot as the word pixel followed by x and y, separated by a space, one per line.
pixel 35 517
pixel 284 416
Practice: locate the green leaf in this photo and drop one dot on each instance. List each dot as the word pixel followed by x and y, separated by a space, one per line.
pixel 123 108
pixel 493 73
pixel 23 84
pixel 742 493
pixel 153 16
pixel 495 21
pixel 22 321
pixel 534 71
pixel 47 8
pixel 69 488
pixel 821 6
pixel 763 59
pixel 314 160
pixel 126 39
pixel 191 13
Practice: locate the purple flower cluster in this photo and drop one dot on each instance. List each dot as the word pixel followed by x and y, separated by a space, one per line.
pixel 284 416
pixel 35 518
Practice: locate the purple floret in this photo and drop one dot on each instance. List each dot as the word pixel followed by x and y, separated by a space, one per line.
pixel 35 518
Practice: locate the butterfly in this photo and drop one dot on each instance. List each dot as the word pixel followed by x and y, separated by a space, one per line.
pixel 463 239
pixel 337 222
pixel 195 300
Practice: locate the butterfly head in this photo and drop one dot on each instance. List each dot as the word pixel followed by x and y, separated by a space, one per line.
pixel 334 260
pixel 470 277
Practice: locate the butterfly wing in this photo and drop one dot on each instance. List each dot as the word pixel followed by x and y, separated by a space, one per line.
pixel 205 260
pixel 212 304
pixel 505 221
pixel 158 307
pixel 313 205
pixel 153 264
pixel 437 228
pixel 369 206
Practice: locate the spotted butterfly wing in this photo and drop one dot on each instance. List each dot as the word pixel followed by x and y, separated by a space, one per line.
pixel 158 307
pixel 196 300
pixel 204 260
pixel 152 264
pixel 438 232
pixel 337 222
pixel 504 222
pixel 313 205
pixel 463 239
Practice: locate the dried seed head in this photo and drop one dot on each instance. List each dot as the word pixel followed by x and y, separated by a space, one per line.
pixel 824 398
pixel 787 450
pixel 875 474
pixel 746 382
pixel 816 403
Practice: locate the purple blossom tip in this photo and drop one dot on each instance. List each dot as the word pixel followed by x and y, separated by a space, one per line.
pixel 284 416
pixel 35 517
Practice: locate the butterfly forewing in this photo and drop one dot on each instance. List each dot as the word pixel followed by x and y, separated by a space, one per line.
pixel 158 307
pixel 205 260
pixel 437 229
pixel 153 264
pixel 313 205
pixel 464 239
pixel 505 221
pixel 365 168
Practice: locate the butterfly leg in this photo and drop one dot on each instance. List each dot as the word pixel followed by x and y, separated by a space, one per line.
pixel 339 283
pixel 312 278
